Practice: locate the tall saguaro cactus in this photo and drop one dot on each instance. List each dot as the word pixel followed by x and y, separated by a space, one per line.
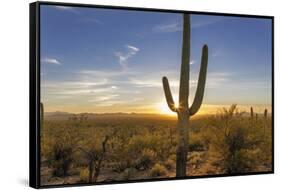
pixel 183 110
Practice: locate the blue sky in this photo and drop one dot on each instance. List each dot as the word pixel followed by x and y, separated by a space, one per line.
pixel 102 60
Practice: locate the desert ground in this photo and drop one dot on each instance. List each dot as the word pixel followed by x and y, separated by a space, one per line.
pixel 90 148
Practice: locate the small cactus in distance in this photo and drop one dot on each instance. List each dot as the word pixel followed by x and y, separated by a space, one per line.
pixel 252 113
pixel 183 110
pixel 41 115
pixel 265 119
pixel 265 113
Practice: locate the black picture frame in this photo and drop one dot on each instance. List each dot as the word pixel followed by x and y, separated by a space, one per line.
pixel 34 91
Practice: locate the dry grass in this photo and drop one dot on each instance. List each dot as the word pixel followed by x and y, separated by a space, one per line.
pixel 144 147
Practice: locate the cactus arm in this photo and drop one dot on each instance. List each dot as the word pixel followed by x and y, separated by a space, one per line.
pixel 184 76
pixel 201 82
pixel 168 94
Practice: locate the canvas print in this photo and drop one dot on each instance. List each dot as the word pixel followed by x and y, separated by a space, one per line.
pixel 132 95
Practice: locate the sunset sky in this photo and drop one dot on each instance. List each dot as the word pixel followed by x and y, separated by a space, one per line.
pixel 101 60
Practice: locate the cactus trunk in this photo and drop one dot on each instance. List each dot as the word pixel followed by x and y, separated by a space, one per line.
pixel 183 110
pixel 182 149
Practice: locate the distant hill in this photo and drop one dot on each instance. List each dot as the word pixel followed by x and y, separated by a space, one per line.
pixel 58 115
pixel 66 115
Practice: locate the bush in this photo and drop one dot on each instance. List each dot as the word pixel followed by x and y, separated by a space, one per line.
pixel 158 170
pixel 196 142
pixel 59 148
pixel 233 139
pixel 120 166
pixel 170 164
pixel 62 159
pixel 129 173
pixel 173 157
pixel 146 160
pixel 196 146
pixel 84 175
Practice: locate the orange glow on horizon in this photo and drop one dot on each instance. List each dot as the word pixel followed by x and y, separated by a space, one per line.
pixel 158 108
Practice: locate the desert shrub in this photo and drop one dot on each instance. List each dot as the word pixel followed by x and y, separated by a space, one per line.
pixel 128 173
pixel 265 151
pixel 146 159
pixel 233 139
pixel 196 142
pixel 46 146
pixel 196 146
pixel 120 166
pixel 59 148
pixel 62 159
pixel 172 157
pixel 139 142
pixel 140 147
pixel 158 170
pixel 94 149
pixel 123 156
pixel 169 164
pixel 84 175
pixel 140 151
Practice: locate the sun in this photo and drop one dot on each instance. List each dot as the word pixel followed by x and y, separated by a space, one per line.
pixel 164 109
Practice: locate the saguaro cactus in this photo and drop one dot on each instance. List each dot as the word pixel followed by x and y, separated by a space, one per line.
pixel 183 110
pixel 41 115
pixel 252 113
pixel 265 113
pixel 257 117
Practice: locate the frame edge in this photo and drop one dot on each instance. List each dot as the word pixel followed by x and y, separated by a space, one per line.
pixel 34 159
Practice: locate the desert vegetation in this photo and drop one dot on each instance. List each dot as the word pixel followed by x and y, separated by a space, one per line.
pixel 114 147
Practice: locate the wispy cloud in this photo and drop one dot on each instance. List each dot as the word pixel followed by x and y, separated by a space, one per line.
pixel 66 8
pixel 51 61
pixel 111 101
pixel 104 98
pixel 176 25
pixel 124 56
pixel 207 22
pixel 81 18
pixel 106 73
pixel 85 83
pixel 133 48
pixel 60 89
pixel 173 26
pixel 77 84
pixel 150 82
pixel 216 79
